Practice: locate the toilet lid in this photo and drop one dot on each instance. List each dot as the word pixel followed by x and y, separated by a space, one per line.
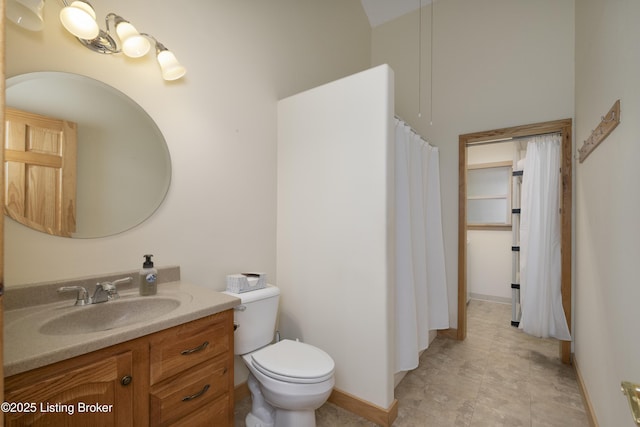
pixel 294 361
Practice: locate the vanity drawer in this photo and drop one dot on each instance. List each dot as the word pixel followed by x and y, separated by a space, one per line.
pixel 190 393
pixel 214 414
pixel 184 346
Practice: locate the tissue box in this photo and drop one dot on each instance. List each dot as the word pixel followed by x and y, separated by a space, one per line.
pixel 244 282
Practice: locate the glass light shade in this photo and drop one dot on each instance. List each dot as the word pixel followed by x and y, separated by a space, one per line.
pixel 26 13
pixel 171 68
pixel 133 44
pixel 79 19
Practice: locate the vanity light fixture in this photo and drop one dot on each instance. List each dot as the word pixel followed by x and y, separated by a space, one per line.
pixel 79 18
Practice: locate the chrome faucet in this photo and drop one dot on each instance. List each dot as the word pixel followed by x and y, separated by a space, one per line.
pixel 83 297
pixel 107 291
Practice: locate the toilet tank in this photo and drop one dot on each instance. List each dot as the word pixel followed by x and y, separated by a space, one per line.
pixel 256 318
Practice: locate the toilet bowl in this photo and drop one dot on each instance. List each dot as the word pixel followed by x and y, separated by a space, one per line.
pixel 288 379
pixel 294 378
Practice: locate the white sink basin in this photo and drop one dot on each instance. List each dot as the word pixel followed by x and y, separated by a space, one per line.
pixel 109 315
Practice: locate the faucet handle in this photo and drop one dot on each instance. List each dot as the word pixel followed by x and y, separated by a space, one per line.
pixel 110 288
pixel 82 298
pixel 121 281
pixel 105 286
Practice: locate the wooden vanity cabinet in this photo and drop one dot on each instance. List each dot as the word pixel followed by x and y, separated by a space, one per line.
pixel 182 376
pixel 191 372
pixel 62 394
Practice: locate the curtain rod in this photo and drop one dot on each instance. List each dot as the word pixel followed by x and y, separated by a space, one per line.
pixel 511 138
pixel 407 124
pixel 413 130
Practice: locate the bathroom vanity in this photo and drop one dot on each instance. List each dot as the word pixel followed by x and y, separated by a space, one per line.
pixel 175 369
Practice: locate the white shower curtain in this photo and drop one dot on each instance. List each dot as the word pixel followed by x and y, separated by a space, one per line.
pixel 540 265
pixel 421 288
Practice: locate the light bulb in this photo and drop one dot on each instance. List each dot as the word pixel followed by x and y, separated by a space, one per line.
pixel 79 19
pixel 134 45
pixel 171 68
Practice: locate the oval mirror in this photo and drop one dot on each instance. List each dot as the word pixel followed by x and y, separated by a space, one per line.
pixel 123 168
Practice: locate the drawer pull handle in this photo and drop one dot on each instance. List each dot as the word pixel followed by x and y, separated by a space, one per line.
pixel 195 350
pixel 197 395
pixel 126 380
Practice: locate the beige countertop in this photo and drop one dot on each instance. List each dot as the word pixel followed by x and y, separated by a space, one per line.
pixel 26 347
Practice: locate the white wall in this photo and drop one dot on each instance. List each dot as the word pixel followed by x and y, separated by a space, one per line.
pixel 489 153
pixel 607 348
pixel 219 122
pixel 496 63
pixel 489 253
pixel 489 264
pixel 335 244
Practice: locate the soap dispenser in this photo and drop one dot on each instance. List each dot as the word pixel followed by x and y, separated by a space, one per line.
pixel 148 277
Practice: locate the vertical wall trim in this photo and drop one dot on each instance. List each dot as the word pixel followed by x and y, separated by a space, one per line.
pixel 462 238
pixel 2 107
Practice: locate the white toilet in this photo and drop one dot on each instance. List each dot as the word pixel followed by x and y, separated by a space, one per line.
pixel 288 380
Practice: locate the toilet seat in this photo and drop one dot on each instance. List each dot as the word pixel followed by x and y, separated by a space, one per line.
pixel 294 361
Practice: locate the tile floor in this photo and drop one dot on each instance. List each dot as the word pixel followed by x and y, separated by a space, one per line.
pixel 498 376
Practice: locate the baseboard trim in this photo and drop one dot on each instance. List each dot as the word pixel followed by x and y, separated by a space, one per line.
pixel 591 415
pixel 448 333
pixel 491 298
pixel 382 417
pixel 374 413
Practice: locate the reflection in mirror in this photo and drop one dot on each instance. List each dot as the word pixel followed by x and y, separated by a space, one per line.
pixel 40 172
pixel 123 163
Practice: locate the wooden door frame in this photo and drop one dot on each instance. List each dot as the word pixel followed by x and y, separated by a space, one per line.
pixel 2 105
pixel 564 127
